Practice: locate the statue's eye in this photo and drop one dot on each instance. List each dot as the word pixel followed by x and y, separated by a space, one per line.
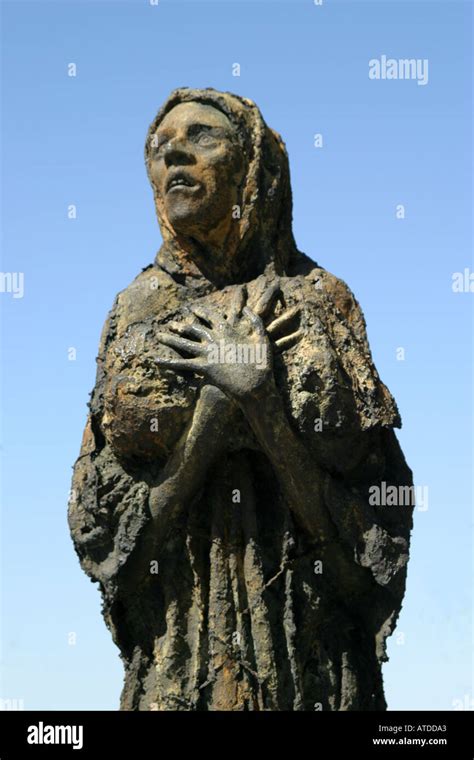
pixel 205 139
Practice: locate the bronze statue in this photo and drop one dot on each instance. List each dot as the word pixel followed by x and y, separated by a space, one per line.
pixel 221 495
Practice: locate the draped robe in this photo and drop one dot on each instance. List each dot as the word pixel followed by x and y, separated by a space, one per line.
pixel 234 567
pixel 244 610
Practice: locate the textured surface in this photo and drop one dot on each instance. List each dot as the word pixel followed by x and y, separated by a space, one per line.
pixel 236 500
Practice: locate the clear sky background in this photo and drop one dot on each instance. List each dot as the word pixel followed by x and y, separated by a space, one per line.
pixel 79 140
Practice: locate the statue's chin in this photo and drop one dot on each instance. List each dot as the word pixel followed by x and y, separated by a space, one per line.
pixel 194 222
pixel 184 216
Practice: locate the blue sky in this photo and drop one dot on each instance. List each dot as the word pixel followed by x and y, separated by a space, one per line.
pixel 79 140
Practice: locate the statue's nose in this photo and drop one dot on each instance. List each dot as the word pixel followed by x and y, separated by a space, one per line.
pixel 178 151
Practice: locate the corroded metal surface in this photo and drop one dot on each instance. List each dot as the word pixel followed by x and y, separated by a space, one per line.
pixel 223 507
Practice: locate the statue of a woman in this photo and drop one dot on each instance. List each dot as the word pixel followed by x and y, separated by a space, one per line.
pixel 222 493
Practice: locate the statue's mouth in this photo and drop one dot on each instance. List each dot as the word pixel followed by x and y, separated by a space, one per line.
pixel 179 180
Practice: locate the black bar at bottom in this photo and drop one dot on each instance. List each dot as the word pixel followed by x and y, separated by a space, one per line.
pixel 154 734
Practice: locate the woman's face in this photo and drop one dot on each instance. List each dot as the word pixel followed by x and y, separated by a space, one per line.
pixel 197 167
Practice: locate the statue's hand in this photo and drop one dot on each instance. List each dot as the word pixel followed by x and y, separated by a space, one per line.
pixel 232 351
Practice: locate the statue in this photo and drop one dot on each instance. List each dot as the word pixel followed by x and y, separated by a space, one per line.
pixel 221 497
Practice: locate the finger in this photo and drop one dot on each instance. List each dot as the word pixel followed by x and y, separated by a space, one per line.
pixel 237 303
pixel 267 300
pixel 190 365
pixel 259 289
pixel 206 313
pixel 289 340
pixel 255 321
pixel 181 344
pixel 282 321
pixel 195 329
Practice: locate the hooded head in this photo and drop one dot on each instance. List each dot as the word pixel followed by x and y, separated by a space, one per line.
pixel 221 185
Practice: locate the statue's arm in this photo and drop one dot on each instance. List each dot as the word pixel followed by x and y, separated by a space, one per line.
pixel 148 441
pixel 118 520
pixel 300 476
pixel 364 549
pixel 326 504
pixel 186 469
pixel 181 479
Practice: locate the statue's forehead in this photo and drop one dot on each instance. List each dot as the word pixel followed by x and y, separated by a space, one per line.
pixel 187 113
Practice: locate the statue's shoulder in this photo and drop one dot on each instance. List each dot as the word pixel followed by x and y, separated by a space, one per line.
pixel 151 293
pixel 316 281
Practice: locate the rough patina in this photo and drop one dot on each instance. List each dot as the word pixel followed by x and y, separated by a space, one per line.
pixel 224 507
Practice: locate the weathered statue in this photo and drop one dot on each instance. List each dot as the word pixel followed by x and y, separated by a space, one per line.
pixel 221 496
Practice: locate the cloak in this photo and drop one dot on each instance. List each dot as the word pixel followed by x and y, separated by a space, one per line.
pixel 244 611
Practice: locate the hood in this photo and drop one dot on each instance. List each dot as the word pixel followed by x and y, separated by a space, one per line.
pixel 263 236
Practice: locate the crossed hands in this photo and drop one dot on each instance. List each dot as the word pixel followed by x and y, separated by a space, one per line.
pixel 232 350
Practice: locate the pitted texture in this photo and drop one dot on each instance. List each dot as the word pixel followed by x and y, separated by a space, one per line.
pixel 237 616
